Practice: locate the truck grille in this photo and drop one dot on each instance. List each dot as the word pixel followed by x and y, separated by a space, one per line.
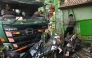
pixel 22 34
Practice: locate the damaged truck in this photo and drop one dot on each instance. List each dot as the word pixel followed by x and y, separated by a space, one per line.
pixel 21 28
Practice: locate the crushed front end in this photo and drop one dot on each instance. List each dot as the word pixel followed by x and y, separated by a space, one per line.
pixel 22 33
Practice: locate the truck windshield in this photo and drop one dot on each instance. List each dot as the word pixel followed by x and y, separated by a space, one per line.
pixel 24 10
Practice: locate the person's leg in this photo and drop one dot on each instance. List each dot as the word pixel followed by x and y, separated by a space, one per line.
pixel 64 51
pixel 71 30
pixel 61 55
pixel 57 51
pixel 66 31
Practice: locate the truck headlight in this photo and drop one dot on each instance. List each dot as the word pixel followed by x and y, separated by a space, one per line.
pixel 11 40
pixel 9 34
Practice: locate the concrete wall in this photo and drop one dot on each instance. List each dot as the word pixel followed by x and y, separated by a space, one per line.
pixel 80 13
pixel 59 25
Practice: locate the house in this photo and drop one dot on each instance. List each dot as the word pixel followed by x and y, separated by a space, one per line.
pixel 82 11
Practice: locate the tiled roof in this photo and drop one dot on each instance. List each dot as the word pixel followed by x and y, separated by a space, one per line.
pixel 75 2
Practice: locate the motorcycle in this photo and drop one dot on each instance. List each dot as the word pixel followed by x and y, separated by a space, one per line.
pixel 44 48
pixel 40 50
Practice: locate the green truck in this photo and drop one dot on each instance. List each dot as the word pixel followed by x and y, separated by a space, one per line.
pixel 20 29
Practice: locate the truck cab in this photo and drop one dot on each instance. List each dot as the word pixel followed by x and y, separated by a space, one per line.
pixel 21 28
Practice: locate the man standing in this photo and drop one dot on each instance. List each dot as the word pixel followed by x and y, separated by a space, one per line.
pixel 70 26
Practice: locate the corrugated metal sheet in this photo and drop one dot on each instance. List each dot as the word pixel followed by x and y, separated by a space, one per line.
pixel 75 2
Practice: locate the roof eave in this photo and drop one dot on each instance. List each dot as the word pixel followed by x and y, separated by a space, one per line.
pixel 75 6
pixel 15 1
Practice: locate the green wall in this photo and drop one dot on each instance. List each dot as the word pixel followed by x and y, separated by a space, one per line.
pixel 81 13
pixel 86 27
